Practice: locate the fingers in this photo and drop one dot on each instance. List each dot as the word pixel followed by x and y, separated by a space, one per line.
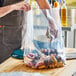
pixel 23 6
pixel 27 7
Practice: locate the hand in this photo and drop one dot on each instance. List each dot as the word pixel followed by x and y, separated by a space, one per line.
pixel 22 6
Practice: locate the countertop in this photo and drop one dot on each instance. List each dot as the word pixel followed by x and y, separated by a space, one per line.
pixel 13 65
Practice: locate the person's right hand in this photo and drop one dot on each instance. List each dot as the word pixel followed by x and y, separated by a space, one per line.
pixel 22 6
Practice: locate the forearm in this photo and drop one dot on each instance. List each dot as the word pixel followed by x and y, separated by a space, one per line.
pixel 5 10
pixel 18 6
pixel 43 4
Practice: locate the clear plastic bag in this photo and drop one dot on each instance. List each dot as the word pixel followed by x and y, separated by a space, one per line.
pixel 44 46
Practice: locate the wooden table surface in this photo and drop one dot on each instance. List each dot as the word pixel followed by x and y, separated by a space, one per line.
pixel 13 65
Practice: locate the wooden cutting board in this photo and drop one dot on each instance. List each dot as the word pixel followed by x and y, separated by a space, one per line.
pixel 12 64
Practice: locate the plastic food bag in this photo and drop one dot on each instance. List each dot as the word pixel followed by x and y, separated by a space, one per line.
pixel 44 46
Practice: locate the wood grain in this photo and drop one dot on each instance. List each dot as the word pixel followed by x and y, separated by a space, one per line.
pixel 11 65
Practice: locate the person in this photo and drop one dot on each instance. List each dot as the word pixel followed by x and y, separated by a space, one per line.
pixel 11 22
pixel 52 28
pixel 18 6
pixel 43 4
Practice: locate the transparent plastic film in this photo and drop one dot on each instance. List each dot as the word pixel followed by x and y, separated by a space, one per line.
pixel 44 46
pixel 27 32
